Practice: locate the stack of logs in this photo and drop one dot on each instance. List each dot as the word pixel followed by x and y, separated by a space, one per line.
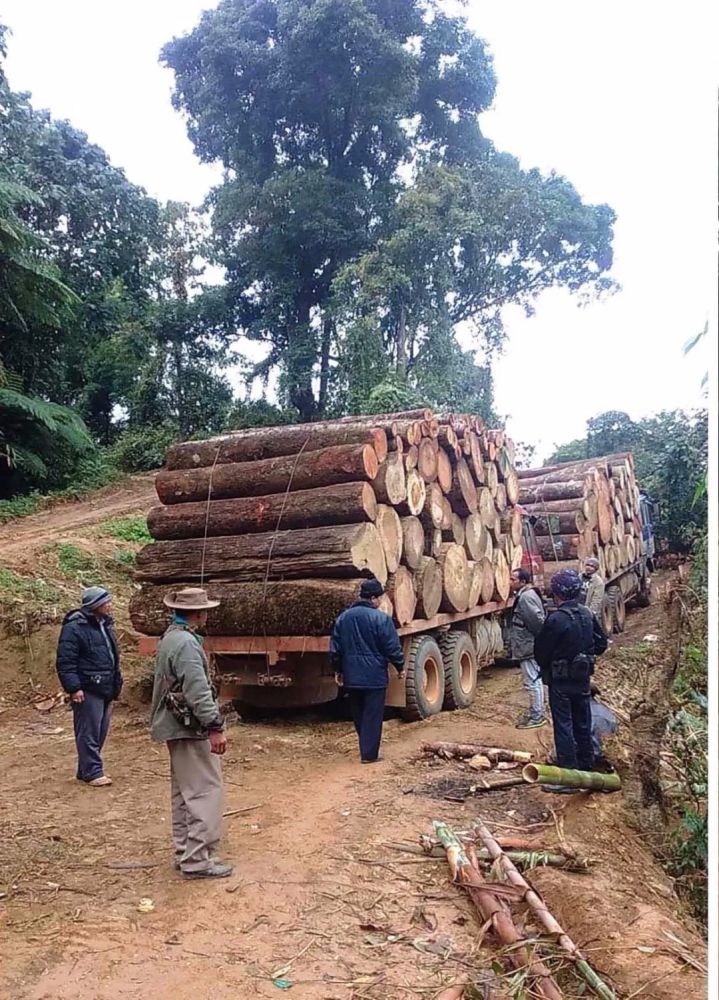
pixel 583 509
pixel 280 523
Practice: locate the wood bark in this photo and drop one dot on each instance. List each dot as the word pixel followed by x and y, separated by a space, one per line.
pixel 583 466
pixel 346 503
pixel 574 489
pixel 289 607
pixel 562 547
pixel 412 542
pixel 567 473
pixel 476 462
pixel 558 524
pixel 390 484
pixel 432 541
pixel 464 492
pixel 273 442
pixel 339 550
pixel 338 464
pixel 400 590
pixel 389 528
pixel 416 495
pixel 455 577
pixel 428 588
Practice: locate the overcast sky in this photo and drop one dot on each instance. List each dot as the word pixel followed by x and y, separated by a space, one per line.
pixel 620 97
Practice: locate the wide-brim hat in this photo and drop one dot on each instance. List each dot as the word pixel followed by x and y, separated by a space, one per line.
pixel 189 599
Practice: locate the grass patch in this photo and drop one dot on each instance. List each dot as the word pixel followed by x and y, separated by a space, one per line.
pixel 75 564
pixel 125 557
pixel 15 589
pixel 128 529
pixel 20 506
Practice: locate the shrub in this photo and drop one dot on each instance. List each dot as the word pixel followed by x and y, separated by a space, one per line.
pixel 143 449
pixel 128 529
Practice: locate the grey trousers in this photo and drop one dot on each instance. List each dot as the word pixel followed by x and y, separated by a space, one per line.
pixel 92 722
pixel 532 681
pixel 196 792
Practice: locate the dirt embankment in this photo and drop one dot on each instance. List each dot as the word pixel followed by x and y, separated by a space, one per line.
pixel 319 897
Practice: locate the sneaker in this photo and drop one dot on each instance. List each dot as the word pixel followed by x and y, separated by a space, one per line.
pixel 531 722
pixel 102 782
pixel 216 869
pixel 377 760
pixel 560 789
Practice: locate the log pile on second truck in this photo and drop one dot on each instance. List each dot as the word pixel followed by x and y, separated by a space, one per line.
pixel 587 508
pixel 281 523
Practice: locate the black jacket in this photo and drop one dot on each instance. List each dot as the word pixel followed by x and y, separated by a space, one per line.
pixel 84 660
pixel 363 641
pixel 570 630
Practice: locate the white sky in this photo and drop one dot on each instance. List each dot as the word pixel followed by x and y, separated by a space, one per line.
pixel 620 97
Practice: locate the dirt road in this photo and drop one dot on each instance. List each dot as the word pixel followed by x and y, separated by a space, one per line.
pixel 137 493
pixel 319 897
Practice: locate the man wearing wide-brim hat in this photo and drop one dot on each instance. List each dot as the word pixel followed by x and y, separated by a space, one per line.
pixel 186 716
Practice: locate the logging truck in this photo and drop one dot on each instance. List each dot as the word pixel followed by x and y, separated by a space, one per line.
pixel 282 523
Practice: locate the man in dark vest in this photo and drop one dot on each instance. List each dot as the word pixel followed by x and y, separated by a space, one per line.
pixel 565 650
pixel 88 665
pixel 364 640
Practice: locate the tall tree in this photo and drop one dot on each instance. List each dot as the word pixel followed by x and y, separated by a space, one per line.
pixel 323 112
pixel 312 106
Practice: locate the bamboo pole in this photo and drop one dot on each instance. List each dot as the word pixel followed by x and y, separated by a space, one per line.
pixel 533 858
pixel 539 908
pixel 465 750
pixel 592 780
pixel 494 909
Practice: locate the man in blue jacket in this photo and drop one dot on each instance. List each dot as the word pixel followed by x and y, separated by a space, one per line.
pixel 565 650
pixel 364 640
pixel 88 665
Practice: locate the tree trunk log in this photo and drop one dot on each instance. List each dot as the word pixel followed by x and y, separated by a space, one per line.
pixel 580 467
pixel 389 527
pixel 400 589
pixel 289 607
pixel 412 542
pixel 464 492
pixel 501 574
pixel 411 457
pixel 500 498
pixel 339 464
pixel 476 462
pixel 447 514
pixel 474 536
pixel 428 588
pixel 444 471
pixel 552 491
pixel 427 460
pixel 390 484
pixel 487 588
pixel 416 495
pixel 260 443
pixel 455 578
pixel 432 541
pixel 563 547
pixel 491 477
pixel 511 524
pixel 457 530
pixel 566 474
pixel 511 484
pixel 485 507
pixel 558 524
pixel 347 503
pixel 433 512
pixel 339 550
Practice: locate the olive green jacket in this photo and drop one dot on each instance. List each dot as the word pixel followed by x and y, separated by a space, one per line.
pixel 181 666
pixel 595 594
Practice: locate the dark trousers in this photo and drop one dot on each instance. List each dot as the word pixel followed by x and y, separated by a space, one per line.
pixel 92 722
pixel 367 707
pixel 572 721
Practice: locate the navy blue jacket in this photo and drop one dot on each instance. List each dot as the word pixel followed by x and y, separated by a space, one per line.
pixel 570 630
pixel 363 641
pixel 85 662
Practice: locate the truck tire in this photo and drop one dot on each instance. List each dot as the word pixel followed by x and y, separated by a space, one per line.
pixel 619 610
pixel 425 679
pixel 607 615
pixel 644 597
pixel 460 669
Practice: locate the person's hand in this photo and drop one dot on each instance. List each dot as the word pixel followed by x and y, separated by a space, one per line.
pixel 338 679
pixel 218 742
pixel 78 697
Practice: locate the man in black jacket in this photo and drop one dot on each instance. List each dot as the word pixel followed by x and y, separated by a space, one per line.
pixel 364 640
pixel 565 650
pixel 88 665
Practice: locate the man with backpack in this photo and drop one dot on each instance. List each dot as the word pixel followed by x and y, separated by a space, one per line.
pixel 565 650
pixel 527 621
